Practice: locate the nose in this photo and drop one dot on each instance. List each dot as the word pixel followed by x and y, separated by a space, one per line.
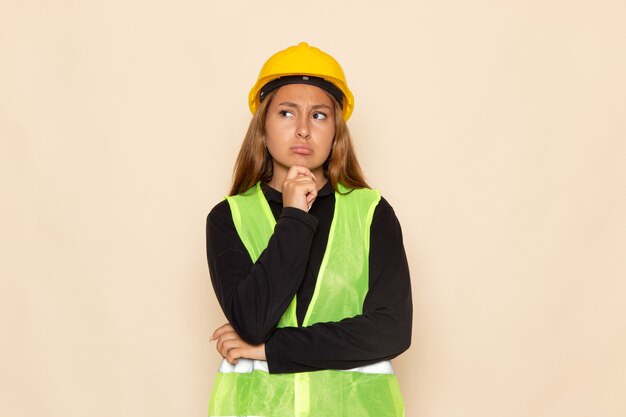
pixel 303 129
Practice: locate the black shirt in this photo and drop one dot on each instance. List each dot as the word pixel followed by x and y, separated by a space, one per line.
pixel 254 296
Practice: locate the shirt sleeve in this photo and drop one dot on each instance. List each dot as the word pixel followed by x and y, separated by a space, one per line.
pixel 381 332
pixel 253 296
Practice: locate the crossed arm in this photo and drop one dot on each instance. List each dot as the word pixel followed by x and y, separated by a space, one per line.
pixel 254 296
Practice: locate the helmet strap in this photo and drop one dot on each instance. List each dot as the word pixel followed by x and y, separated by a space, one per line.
pixel 302 79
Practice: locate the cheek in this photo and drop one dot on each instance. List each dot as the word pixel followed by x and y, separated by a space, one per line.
pixel 272 148
pixel 328 136
pixel 272 135
pixel 276 126
pixel 276 143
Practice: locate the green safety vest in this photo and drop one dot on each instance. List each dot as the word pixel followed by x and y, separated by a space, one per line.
pixel 247 388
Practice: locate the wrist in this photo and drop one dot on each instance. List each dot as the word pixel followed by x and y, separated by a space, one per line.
pixel 259 352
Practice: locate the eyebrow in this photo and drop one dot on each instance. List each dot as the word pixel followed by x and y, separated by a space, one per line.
pixel 315 107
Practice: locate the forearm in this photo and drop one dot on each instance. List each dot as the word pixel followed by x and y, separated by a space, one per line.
pixel 254 296
pixel 348 344
pixel 381 332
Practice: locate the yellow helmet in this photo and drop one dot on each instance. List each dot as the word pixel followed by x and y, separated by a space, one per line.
pixel 306 65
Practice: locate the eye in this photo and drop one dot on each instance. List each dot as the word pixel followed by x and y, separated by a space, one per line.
pixel 319 115
pixel 286 113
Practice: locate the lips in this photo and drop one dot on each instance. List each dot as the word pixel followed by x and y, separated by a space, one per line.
pixel 301 150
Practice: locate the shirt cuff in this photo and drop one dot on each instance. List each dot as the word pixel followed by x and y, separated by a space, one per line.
pixel 273 357
pixel 301 215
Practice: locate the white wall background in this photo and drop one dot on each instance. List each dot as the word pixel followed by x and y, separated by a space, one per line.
pixel 497 131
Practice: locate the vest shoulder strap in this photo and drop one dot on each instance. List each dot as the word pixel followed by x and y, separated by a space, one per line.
pixel 253 220
pixel 343 279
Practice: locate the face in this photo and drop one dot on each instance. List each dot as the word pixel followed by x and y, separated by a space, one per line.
pixel 299 128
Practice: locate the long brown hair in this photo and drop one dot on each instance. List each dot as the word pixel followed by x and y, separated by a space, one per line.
pixel 254 162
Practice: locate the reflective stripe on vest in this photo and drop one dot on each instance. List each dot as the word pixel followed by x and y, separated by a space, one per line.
pixel 247 389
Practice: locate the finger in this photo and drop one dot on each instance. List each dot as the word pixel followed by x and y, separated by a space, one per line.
pixel 304 184
pixel 300 185
pixel 216 334
pixel 226 337
pixel 222 329
pixel 311 195
pixel 301 179
pixel 233 355
pixel 229 344
pixel 298 170
pixel 307 176
pixel 225 348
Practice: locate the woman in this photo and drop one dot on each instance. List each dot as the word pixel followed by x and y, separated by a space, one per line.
pixel 306 260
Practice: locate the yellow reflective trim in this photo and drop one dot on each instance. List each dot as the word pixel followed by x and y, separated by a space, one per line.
pixel 302 398
pixel 320 274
